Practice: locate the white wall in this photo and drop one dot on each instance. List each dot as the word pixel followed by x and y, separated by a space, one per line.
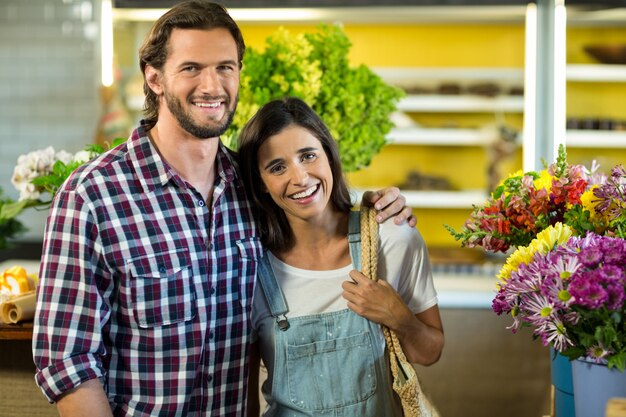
pixel 49 83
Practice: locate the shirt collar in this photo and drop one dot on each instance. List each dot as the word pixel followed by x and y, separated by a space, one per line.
pixel 153 171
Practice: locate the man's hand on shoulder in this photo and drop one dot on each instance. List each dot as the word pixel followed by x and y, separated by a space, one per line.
pixel 389 202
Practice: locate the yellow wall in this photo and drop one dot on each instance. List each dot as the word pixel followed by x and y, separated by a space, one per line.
pixel 595 100
pixel 420 45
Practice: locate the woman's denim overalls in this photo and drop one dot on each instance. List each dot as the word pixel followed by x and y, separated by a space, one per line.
pixel 328 364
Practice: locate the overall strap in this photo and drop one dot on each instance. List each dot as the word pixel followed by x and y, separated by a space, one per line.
pixel 354 238
pixel 273 294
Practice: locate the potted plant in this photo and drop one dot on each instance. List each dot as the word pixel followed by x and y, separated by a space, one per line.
pixel 354 102
pixel 571 291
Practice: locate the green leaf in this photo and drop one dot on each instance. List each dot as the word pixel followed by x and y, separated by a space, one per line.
pixel 11 210
pixel 618 361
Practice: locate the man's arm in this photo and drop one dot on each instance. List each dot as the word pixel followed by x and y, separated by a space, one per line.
pixel 390 203
pixel 88 399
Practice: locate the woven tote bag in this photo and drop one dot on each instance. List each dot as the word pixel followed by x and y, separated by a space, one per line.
pixel 405 381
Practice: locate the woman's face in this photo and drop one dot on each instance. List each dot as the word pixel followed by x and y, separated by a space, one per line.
pixel 296 173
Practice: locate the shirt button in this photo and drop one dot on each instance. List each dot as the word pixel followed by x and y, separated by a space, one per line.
pixel 209 378
pixel 201 203
pixel 211 334
pixel 212 290
pixel 162 269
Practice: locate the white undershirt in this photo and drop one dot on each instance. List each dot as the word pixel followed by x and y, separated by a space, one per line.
pixel 310 292
pixel 402 262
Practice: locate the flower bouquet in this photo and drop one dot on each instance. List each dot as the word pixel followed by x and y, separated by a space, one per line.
pixel 566 276
pixel 526 203
pixel 570 290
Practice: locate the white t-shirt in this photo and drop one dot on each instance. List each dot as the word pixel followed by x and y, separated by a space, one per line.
pixel 402 262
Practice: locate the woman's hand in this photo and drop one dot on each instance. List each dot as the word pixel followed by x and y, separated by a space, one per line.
pixel 421 335
pixel 390 203
pixel 377 301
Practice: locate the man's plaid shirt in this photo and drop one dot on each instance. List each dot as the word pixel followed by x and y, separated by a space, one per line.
pixel 145 287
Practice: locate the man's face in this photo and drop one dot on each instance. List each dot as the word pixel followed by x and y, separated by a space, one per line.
pixel 200 80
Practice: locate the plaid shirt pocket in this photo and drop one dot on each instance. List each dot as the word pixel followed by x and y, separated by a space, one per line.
pixel 250 251
pixel 162 289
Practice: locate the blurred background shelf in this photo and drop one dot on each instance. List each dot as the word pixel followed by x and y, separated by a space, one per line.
pixel 442 137
pixel 507 77
pixel 596 73
pixel 595 139
pixel 464 199
pixel 433 103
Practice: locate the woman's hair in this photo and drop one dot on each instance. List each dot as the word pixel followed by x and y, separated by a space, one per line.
pixel 270 120
pixel 192 14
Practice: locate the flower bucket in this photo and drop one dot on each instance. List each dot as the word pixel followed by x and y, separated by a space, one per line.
pixel 561 370
pixel 594 385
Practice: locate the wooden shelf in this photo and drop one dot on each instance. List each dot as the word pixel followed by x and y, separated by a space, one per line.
pixel 18 331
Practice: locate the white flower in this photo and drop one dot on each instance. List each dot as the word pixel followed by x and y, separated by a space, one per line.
pixel 83 156
pixel 29 192
pixel 40 163
pixel 29 167
pixel 64 157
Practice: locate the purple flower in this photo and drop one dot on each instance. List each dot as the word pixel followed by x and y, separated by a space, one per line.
pixel 611 274
pixel 591 256
pixel 615 297
pixel 587 290
pixel 614 250
pixel 499 304
pixel 598 353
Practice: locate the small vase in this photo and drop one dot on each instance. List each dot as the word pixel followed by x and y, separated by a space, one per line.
pixel 561 370
pixel 594 385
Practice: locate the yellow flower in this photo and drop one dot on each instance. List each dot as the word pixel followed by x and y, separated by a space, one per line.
pixel 517 173
pixel 545 241
pixel 522 255
pixel 551 237
pixel 544 181
pixel 587 200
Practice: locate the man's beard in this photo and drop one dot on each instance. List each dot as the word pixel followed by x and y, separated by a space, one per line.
pixel 187 123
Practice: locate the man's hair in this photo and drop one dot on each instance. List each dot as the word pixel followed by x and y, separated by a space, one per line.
pixel 270 120
pixel 191 14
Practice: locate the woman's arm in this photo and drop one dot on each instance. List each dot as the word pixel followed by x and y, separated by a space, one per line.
pixel 421 335
pixel 254 361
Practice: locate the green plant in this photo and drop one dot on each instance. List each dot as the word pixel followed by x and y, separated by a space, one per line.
pixel 354 102
pixel 10 227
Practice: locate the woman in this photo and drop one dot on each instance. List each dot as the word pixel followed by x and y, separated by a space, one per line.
pixel 321 341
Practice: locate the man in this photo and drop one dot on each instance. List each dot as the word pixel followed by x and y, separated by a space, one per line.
pixel 150 250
